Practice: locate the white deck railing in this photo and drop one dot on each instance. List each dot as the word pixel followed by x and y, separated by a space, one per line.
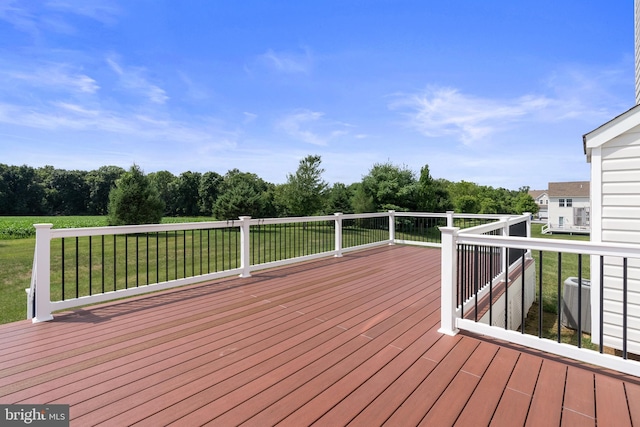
pixel 452 321
pixel 349 232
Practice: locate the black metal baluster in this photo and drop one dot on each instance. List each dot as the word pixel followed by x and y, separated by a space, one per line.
pixel 193 253
pixel 601 334
pixel 126 261
pixel 157 257
pixel 90 257
pixel 559 294
pixel 522 313
pixel 506 289
pixel 540 255
pixel 147 241
pixel 102 263
pixel 579 300
pixel 115 263
pixel 77 267
pixel 476 278
pixel 137 260
pixel 63 269
pixel 175 250
pixel 491 256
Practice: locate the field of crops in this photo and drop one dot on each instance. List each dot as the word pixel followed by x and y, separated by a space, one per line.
pixel 21 227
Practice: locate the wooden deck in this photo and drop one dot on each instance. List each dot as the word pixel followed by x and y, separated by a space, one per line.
pixel 340 341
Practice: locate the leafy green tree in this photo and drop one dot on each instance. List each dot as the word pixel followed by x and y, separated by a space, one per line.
pixel 361 201
pixel 134 200
pixel 162 182
pixel 66 192
pixel 100 183
pixel 338 199
pixel 185 191
pixel 390 187
pixel 523 202
pixel 208 191
pixel 432 194
pixel 303 193
pixel 243 194
pixel 488 206
pixel 467 204
pixel 21 191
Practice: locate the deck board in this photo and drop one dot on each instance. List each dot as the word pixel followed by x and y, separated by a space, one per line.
pixel 337 341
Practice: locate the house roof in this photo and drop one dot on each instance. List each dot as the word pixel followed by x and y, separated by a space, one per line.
pixel 613 128
pixel 569 189
pixel 537 193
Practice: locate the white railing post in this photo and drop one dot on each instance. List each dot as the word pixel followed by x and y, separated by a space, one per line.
pixel 338 235
pixel 392 227
pixel 448 281
pixel 245 248
pixel 528 214
pixel 504 251
pixel 41 279
pixel 449 218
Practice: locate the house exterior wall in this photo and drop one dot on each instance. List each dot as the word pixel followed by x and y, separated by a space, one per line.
pixel 615 194
pixel 619 213
pixel 567 213
pixel 542 200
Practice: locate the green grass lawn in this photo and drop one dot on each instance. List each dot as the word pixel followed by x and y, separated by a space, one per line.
pixel 16 259
pixel 552 268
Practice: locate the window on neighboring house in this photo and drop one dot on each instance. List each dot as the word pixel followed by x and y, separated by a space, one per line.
pixel 569 203
pixel 581 216
pixel 561 203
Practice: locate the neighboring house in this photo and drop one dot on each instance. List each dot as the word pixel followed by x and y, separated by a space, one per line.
pixel 541 197
pixel 613 150
pixel 569 208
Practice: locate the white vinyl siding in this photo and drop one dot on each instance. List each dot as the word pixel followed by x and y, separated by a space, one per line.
pixel 620 212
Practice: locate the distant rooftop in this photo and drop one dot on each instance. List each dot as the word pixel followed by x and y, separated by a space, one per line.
pixel 537 193
pixel 569 189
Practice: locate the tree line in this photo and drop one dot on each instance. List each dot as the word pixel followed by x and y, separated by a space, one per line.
pixel 26 190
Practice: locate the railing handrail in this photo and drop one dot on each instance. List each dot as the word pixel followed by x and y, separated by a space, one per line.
pixel 289 220
pixel 132 229
pixel 624 250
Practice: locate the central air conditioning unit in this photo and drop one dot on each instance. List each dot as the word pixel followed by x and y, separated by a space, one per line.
pixel 569 317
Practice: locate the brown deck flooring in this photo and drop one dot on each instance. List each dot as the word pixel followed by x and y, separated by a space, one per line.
pixel 341 341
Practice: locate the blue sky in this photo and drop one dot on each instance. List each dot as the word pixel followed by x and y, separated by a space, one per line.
pixel 494 92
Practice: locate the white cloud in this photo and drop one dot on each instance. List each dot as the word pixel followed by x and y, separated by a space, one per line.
pixel 194 91
pixel 312 128
pixel 570 94
pixel 287 62
pixel 104 11
pixel 297 124
pixel 441 111
pixel 249 117
pixel 35 18
pixel 132 79
pixel 66 116
pixel 57 77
